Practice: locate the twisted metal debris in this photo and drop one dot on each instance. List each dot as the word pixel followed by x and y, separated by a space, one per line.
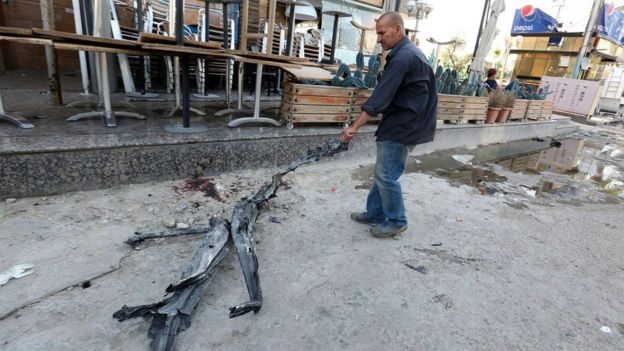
pixel 173 314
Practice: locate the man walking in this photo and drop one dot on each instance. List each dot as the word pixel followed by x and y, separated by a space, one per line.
pixel 407 97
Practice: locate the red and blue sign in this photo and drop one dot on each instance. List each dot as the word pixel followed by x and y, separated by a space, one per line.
pixel 611 23
pixel 529 19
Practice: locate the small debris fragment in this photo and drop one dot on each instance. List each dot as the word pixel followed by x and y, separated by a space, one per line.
pixel 459 219
pixel 169 223
pixel 10 200
pixel 86 284
pixel 182 225
pixel 276 219
pixel 463 159
pixel 419 269
pixel 444 300
pixel 181 207
pixel 16 272
pixel 436 244
pixel 605 329
pixel 333 189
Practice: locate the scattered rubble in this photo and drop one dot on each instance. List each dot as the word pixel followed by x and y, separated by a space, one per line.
pixel 173 314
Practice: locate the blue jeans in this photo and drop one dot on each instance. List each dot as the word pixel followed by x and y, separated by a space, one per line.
pixel 385 199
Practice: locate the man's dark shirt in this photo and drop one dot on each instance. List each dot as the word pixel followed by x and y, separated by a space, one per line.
pixel 491 85
pixel 407 97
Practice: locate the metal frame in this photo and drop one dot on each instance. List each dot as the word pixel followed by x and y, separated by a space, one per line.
pixel 101 68
pixel 18 118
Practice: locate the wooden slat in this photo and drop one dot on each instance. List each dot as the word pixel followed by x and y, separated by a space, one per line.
pixel 172 49
pixel 359 100
pixel 266 62
pixel 260 55
pixel 316 109
pixel 317 118
pixel 59 36
pixel 461 98
pixel 315 100
pixel 310 73
pixel 16 31
pixel 462 111
pixel 448 104
pixel 94 48
pixel 25 40
pixel 320 90
pixel 155 38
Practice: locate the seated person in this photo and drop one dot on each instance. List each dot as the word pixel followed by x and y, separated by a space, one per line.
pixel 490 83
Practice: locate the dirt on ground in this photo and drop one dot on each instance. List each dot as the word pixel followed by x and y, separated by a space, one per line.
pixel 474 271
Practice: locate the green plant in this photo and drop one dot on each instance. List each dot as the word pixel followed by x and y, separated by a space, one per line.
pixel 529 92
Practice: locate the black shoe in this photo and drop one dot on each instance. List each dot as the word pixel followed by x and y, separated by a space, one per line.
pixel 387 230
pixel 362 217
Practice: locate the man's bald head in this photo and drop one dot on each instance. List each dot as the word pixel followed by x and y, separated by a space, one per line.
pixel 392 18
pixel 390 29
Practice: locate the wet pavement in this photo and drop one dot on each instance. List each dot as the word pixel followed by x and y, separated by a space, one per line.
pixel 582 167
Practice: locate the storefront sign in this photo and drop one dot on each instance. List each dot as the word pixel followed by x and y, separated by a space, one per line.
pixel 571 95
pixel 610 23
pixel 532 20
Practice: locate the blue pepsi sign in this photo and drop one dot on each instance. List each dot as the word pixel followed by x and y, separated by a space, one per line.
pixel 529 19
pixel 610 23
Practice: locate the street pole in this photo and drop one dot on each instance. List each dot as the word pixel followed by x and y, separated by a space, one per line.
pixel 589 31
pixel 416 32
pixel 486 7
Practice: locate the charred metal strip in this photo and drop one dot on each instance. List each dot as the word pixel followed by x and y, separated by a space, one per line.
pixel 139 237
pixel 332 147
pixel 244 217
pixel 173 314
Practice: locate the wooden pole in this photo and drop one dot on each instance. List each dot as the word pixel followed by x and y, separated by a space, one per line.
pixel 243 27
pixel 272 6
pixel 54 82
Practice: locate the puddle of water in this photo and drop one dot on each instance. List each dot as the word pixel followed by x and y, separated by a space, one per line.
pixel 570 168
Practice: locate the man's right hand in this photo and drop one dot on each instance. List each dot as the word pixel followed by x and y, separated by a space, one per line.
pixel 347 134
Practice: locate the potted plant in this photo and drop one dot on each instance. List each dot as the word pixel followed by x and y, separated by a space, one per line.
pixel 506 109
pixel 495 104
pixel 460 100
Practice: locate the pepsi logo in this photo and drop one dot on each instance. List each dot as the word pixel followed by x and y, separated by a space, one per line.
pixel 527 13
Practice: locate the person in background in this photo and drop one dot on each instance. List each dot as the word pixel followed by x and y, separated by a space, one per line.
pixel 408 99
pixel 491 83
